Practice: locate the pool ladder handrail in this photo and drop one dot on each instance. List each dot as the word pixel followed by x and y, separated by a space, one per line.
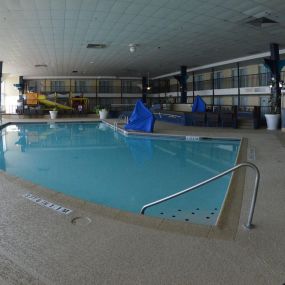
pixel 249 224
pixel 125 118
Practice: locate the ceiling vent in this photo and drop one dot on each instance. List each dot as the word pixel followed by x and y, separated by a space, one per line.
pixel 261 22
pixel 98 46
pixel 40 65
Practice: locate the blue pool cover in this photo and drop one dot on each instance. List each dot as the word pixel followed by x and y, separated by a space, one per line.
pixel 199 105
pixel 141 119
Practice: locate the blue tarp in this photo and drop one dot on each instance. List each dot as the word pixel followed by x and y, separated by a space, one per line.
pixel 141 119
pixel 199 105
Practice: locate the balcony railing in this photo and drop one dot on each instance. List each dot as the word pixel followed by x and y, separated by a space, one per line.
pixel 251 80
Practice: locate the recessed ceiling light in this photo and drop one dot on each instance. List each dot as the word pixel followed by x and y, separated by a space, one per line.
pixel 261 22
pixel 98 46
pixel 133 47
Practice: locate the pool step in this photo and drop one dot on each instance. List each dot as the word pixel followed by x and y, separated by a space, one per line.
pixel 196 215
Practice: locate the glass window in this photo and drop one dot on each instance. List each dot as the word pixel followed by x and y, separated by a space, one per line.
pixel 218 75
pixel 264 75
pixel 57 86
pixel 80 86
pixel 131 86
pixel 234 78
pixel 105 86
pixel 242 77
pixel 199 84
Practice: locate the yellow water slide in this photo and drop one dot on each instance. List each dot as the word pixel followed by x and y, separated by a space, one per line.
pixel 42 99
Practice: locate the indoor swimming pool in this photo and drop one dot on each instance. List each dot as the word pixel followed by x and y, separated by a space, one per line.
pixel 92 162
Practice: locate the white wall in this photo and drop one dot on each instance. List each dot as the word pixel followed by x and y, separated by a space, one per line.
pixel 10 93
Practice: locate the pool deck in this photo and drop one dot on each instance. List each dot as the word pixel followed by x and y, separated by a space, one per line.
pixel 94 245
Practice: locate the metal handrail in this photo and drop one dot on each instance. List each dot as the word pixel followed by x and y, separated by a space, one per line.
pixel 249 224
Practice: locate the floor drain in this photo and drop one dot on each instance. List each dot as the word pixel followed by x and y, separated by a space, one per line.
pixel 81 221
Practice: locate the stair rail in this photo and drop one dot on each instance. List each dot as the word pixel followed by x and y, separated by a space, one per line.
pixel 249 224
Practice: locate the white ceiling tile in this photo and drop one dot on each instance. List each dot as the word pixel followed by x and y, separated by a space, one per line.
pixel 57 31
pixel 43 4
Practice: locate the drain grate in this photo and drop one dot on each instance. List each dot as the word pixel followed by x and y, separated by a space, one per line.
pixel 81 221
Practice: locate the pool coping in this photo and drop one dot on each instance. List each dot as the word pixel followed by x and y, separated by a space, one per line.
pixel 225 229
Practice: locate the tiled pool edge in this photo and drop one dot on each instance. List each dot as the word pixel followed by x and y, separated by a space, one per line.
pixel 229 220
pixel 225 230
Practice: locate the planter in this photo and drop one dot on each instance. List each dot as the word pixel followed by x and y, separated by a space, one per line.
pixel 53 114
pixel 272 121
pixel 103 114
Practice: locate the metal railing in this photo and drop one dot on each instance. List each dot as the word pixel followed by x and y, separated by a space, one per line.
pixel 249 224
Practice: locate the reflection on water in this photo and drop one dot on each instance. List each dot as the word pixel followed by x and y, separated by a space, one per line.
pixel 140 148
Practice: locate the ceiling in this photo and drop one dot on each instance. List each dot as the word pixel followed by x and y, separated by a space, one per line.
pixel 169 33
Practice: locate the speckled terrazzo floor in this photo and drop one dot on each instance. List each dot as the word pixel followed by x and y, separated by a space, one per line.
pixel 40 246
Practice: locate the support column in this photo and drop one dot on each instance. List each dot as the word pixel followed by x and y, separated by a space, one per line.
pixel 275 65
pixel 193 79
pixel 275 58
pixel 183 84
pixel 21 85
pixel 121 91
pixel 144 89
pixel 213 88
pixel 1 65
pixel 238 82
pixel 182 79
pixel 97 82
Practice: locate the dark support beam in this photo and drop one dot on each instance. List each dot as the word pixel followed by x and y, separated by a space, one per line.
pixel 213 88
pixel 21 86
pixel 276 72
pixel 182 80
pixel 238 82
pixel 121 91
pixel 275 65
pixel 183 84
pixel 1 65
pixel 193 92
pixel 144 89
pixel 96 91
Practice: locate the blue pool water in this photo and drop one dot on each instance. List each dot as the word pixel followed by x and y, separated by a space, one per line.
pixel 92 162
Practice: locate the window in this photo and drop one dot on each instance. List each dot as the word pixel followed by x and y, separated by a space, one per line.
pixel 264 75
pixel 234 78
pixel 218 75
pixel 57 86
pixel 105 86
pixel 199 83
pixel 131 86
pixel 243 79
pixel 80 86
